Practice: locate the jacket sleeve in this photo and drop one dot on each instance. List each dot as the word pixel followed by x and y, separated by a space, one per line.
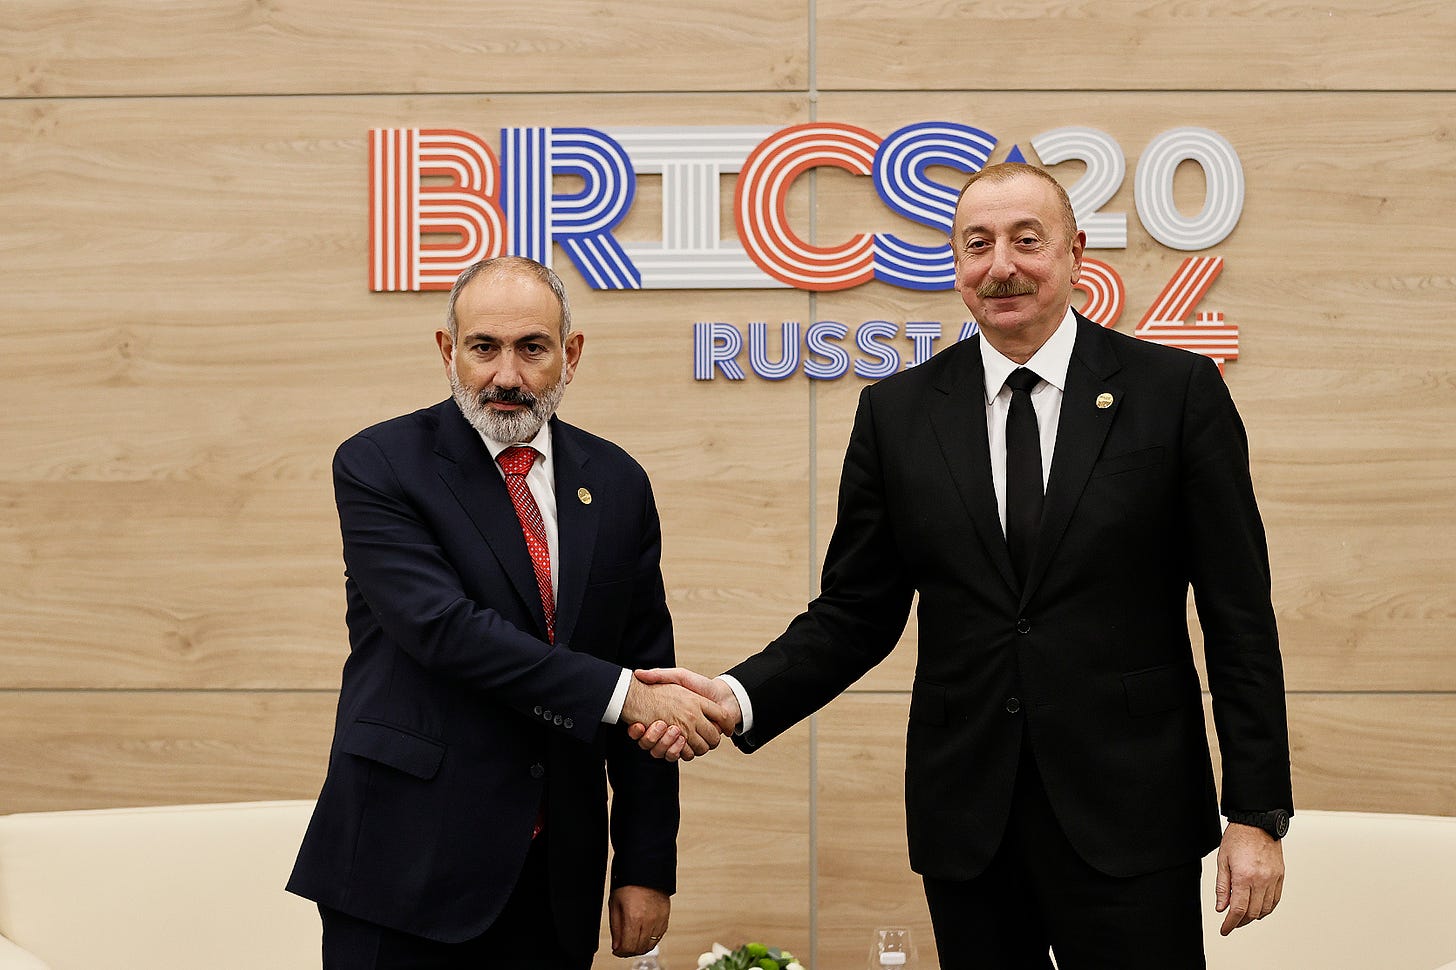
pixel 1229 570
pixel 645 811
pixel 417 597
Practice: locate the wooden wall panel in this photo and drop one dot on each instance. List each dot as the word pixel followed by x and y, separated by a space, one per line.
pixel 100 749
pixel 1378 752
pixel 863 861
pixel 1090 45
pixel 76 49
pixel 188 334
pixel 1352 479
pixel 217 294
pixel 744 863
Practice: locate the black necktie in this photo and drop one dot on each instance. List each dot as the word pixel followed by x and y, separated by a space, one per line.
pixel 1023 472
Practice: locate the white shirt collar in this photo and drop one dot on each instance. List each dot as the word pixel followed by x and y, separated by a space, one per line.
pixel 1050 362
pixel 542 443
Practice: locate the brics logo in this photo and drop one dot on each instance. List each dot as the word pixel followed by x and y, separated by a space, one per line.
pixel 441 199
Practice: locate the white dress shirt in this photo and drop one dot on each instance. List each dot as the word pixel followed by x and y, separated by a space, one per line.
pixel 1050 363
pixel 541 480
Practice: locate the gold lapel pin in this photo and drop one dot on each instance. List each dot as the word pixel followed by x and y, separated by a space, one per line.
pixel 584 495
pixel 1104 400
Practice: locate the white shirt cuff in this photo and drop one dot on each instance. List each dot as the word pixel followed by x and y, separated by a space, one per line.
pixel 745 706
pixel 613 713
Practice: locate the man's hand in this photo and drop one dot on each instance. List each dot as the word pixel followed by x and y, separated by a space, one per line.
pixel 663 739
pixel 1250 876
pixel 694 717
pixel 638 916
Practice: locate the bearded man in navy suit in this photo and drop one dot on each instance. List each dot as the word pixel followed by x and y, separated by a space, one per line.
pixel 1051 490
pixel 503 580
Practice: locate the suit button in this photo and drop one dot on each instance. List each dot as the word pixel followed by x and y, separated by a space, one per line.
pixel 538 771
pixel 568 724
pixel 538 710
pixel 1023 625
pixel 557 719
pixel 1013 704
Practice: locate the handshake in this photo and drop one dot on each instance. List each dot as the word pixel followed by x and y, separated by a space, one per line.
pixel 677 714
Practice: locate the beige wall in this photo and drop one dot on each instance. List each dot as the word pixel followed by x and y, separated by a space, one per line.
pixel 187 334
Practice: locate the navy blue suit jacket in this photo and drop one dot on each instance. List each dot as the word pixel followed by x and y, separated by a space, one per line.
pixel 455 716
pixel 1090 663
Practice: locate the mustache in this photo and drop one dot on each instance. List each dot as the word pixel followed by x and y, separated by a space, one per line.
pixel 1016 286
pixel 508 395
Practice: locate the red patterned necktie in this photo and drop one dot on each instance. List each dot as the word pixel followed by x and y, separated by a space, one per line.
pixel 516 462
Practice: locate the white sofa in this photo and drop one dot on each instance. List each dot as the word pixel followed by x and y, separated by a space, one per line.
pixel 200 887
pixel 1362 892
pixel 188 887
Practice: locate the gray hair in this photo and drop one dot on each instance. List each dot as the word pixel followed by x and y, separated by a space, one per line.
pixel 521 265
pixel 1006 171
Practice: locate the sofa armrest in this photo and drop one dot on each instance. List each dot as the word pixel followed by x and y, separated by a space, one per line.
pixel 12 957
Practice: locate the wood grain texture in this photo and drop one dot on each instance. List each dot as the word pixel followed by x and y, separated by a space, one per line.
pixel 183 533
pixel 743 854
pixel 863 861
pixel 1082 45
pixel 187 335
pixel 1379 752
pixel 1352 478
pixel 75 49
pixel 82 749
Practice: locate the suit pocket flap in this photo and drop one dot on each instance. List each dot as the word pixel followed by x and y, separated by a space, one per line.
pixel 1131 461
pixel 1159 689
pixel 411 753
pixel 927 703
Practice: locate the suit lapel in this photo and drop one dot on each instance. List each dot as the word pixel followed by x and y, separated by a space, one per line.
pixel 467 470
pixel 576 518
pixel 1081 430
pixel 958 418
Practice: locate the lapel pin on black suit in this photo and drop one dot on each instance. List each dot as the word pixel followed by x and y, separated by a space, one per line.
pixel 584 495
pixel 1104 400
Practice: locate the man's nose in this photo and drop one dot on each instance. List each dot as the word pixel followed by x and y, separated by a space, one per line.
pixel 507 372
pixel 1003 266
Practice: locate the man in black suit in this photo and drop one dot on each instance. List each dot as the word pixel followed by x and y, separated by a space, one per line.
pixel 502 581
pixel 1051 489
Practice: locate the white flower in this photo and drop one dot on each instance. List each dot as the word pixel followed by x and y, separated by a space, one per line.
pixel 794 965
pixel 707 959
pixel 720 951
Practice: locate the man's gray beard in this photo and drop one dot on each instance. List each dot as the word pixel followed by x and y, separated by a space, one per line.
pixel 507 427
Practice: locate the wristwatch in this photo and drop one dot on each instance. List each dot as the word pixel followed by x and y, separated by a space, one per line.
pixel 1275 822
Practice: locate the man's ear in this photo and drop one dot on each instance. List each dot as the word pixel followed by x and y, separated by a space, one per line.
pixel 571 351
pixel 447 347
pixel 1079 246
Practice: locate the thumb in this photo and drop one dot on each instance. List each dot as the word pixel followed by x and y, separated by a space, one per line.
pixel 657 675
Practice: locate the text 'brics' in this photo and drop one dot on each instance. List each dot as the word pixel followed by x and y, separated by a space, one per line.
pixel 440 199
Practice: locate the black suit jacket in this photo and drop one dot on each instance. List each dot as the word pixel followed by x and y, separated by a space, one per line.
pixel 1092 659
pixel 455 717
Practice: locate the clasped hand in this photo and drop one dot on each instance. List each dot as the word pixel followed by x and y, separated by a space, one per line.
pixel 677 714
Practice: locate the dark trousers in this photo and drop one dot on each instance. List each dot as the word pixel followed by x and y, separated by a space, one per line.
pixel 523 937
pixel 1038 893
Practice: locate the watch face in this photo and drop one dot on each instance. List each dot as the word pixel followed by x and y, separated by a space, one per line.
pixel 1281 824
